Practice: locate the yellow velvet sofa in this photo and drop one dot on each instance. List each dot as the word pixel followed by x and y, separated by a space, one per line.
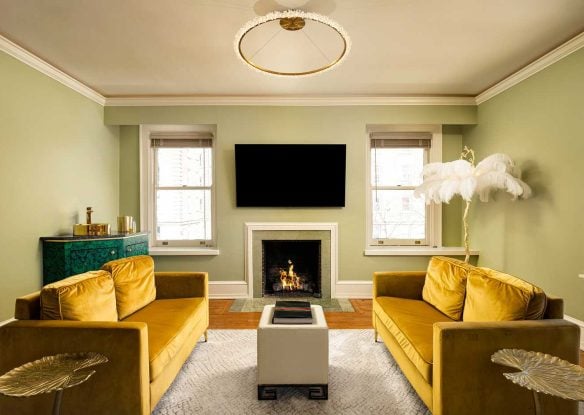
pixel 146 348
pixel 444 349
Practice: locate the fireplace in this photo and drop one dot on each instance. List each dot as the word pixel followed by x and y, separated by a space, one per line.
pixel 291 268
pixel 324 234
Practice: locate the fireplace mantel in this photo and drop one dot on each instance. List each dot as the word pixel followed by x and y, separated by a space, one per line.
pixel 251 227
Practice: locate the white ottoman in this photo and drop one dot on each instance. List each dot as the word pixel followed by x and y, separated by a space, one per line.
pixel 293 355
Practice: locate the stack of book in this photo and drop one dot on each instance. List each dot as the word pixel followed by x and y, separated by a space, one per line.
pixel 292 312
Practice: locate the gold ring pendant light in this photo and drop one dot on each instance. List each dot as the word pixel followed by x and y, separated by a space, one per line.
pixel 292 43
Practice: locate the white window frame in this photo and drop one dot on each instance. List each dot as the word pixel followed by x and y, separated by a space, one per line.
pixel 433 211
pixel 147 193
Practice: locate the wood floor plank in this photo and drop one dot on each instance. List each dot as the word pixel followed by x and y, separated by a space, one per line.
pixel 221 318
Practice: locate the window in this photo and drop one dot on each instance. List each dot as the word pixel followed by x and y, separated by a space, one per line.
pixel 179 185
pixel 395 216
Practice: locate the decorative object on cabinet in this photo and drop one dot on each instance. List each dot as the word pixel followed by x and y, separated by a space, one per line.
pixel 91 229
pixel 442 181
pixel 64 256
pixel 126 224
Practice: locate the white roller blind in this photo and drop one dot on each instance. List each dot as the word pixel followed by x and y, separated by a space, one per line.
pixel 181 139
pixel 401 139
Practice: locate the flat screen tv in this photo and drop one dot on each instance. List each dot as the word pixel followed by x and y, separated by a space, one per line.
pixel 290 175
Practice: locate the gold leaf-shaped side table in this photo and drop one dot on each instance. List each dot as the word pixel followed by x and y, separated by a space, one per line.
pixel 50 374
pixel 543 373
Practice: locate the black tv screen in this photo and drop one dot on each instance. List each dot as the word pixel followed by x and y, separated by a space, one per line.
pixel 290 175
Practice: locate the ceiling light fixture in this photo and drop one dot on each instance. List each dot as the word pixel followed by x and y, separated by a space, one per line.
pixel 292 43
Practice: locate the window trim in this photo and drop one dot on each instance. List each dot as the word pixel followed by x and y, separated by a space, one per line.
pixel 147 189
pixel 434 210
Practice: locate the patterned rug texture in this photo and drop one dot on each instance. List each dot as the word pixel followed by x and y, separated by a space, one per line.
pixel 220 378
pixel 257 304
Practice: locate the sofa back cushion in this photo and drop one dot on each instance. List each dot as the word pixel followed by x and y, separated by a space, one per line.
pixel 134 283
pixel 489 299
pixel 537 297
pixel 84 297
pixel 445 285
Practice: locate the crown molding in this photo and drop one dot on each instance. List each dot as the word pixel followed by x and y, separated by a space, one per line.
pixel 286 101
pixel 546 60
pixel 46 68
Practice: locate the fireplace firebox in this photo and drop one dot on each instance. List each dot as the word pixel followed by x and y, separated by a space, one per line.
pixel 291 268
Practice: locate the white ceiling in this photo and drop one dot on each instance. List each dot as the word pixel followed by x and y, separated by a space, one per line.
pixel 135 48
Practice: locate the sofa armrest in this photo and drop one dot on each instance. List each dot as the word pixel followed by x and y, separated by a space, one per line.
pixel 402 284
pixel 466 381
pixel 181 284
pixel 121 385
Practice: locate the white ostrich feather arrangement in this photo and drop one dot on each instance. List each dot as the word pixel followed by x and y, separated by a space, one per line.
pixel 442 181
pixel 499 172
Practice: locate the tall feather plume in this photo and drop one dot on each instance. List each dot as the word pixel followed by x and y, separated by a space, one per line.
pixel 498 171
pixel 442 181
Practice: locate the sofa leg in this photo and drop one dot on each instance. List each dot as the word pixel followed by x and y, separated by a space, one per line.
pixel 375 331
pixel 205 334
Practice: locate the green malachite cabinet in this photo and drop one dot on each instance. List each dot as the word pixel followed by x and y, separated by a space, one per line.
pixel 64 256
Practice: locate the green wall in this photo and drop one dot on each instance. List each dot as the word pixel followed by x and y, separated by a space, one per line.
pixel 540 124
pixel 56 158
pixel 287 125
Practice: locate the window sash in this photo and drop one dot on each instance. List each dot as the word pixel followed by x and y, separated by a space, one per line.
pixel 396 141
pixel 182 140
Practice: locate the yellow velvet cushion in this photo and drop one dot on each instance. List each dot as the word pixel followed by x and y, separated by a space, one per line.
pixel 445 285
pixel 170 323
pixel 84 297
pixel 134 283
pixel 410 322
pixel 538 299
pixel 488 299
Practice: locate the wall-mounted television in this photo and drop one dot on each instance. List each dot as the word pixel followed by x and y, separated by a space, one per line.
pixel 290 175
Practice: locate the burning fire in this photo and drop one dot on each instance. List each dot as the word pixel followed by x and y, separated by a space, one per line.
pixel 289 279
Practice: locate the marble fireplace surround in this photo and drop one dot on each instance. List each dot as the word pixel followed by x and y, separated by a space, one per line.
pixel 256 232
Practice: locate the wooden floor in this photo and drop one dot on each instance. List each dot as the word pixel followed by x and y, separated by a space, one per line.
pixel 221 318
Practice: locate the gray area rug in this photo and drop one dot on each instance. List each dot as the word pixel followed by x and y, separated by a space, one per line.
pixel 220 378
pixel 257 304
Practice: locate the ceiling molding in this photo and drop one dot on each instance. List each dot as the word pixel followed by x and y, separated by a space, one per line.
pixel 287 101
pixel 546 60
pixel 46 68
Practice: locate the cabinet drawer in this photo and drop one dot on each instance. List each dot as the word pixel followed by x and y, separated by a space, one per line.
pixel 140 248
pixel 88 257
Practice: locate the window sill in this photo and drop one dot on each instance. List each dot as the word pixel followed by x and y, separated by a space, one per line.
pixel 159 251
pixel 416 251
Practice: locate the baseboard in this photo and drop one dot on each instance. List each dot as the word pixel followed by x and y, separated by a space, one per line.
pixel 227 289
pixel 581 324
pixel 10 320
pixel 354 289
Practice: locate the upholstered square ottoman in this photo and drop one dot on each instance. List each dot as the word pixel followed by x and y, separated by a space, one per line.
pixel 293 355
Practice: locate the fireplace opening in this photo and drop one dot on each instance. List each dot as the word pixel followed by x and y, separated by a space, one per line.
pixel 291 268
